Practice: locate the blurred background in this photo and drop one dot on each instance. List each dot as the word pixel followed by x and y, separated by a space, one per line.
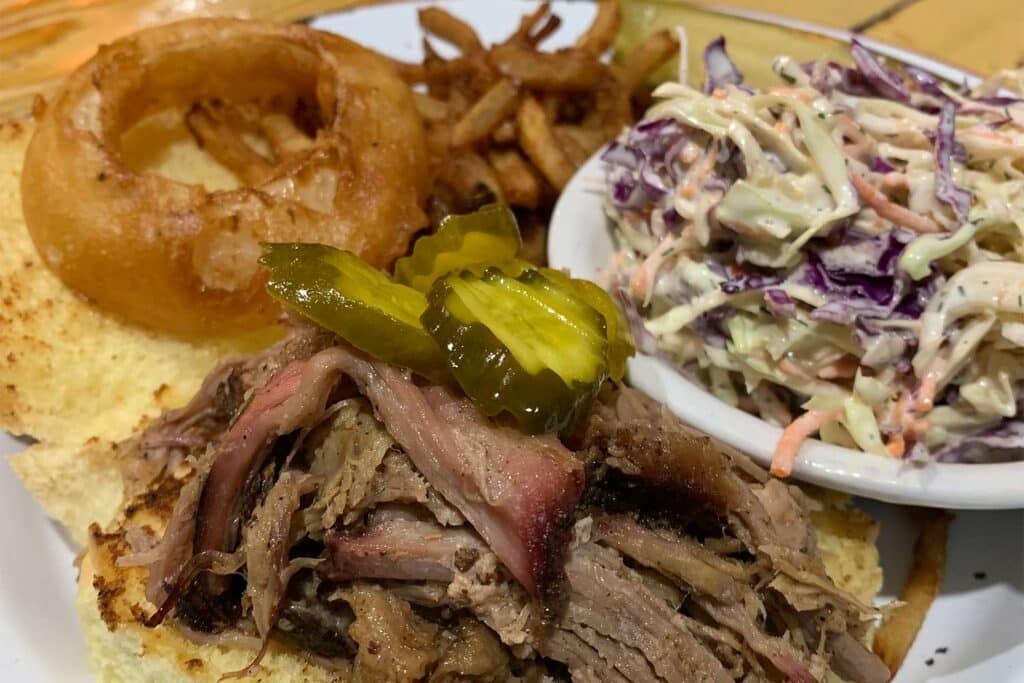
pixel 41 40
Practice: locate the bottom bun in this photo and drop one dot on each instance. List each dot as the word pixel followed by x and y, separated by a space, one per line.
pixel 111 606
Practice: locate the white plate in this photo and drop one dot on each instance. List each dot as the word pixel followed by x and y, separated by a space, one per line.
pixel 580 240
pixel 39 636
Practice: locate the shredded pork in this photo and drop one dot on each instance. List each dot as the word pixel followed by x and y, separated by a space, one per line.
pixel 385 527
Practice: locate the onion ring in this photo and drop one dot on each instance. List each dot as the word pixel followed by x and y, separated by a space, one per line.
pixel 177 257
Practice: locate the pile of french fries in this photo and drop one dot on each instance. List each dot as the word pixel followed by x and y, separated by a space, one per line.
pixel 511 122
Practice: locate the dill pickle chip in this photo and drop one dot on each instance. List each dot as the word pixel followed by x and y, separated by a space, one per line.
pixel 620 337
pixel 520 344
pixel 356 301
pixel 488 235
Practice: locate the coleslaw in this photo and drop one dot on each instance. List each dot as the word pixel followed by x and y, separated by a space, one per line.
pixel 842 254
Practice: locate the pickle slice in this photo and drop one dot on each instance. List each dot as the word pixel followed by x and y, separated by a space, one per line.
pixel 520 344
pixel 356 301
pixel 620 337
pixel 489 235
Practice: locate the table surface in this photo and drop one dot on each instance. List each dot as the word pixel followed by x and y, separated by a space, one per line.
pixel 41 40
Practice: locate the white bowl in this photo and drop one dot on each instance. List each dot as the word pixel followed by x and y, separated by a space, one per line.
pixel 580 241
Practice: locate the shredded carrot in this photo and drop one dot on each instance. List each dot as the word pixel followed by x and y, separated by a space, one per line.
pixel 690 153
pixel 793 436
pixel 843 368
pixel 643 278
pixel 790 92
pixel 853 151
pixel 892 211
pixel 719 94
pixel 909 425
pixel 789 368
pixel 896 446
pixel 697 172
pixel 688 234
pixel 848 127
pixel 862 145
pixel 916 427
pixel 894 179
pixel 926 394
pixel 781 127
pixel 929 385
pixel 895 416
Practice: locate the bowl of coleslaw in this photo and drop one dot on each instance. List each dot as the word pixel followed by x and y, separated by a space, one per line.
pixel 828 273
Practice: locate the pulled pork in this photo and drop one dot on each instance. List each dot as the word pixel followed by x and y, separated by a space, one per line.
pixel 335 503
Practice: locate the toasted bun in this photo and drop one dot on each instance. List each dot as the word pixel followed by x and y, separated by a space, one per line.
pixel 77 486
pixel 70 372
pixel 846 540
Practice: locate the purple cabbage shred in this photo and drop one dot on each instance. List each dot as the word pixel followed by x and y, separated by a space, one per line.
pixel 719 70
pixel 1002 443
pixel 859 277
pixel 748 281
pixel 880 165
pixel 946 189
pixel 885 80
pixel 642 168
pixel 780 304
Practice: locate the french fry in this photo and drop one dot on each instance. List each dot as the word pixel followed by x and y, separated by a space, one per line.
pixel 496 105
pixel 467 173
pixel 551 102
pixel 547 28
pixel 284 136
pixel 451 29
pixel 569 146
pixel 430 108
pixel 226 145
pixel 518 180
pixel 612 110
pixel 900 627
pixel 566 70
pixel 528 23
pixel 505 133
pixel 601 34
pixel 645 58
pixel 537 139
pixel 535 238
pixel 436 72
pixel 589 139
pixel 242 117
pixel 585 140
pixel 439 141
pixel 410 73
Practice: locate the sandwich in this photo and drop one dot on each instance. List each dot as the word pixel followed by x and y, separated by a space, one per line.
pixel 316 514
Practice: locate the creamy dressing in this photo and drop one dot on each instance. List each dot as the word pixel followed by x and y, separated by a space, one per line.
pixel 761 290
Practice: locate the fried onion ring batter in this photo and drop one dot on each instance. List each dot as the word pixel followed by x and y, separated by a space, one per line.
pixel 177 257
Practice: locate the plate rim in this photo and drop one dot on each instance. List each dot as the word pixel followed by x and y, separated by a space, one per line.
pixel 948 485
pixel 937 67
